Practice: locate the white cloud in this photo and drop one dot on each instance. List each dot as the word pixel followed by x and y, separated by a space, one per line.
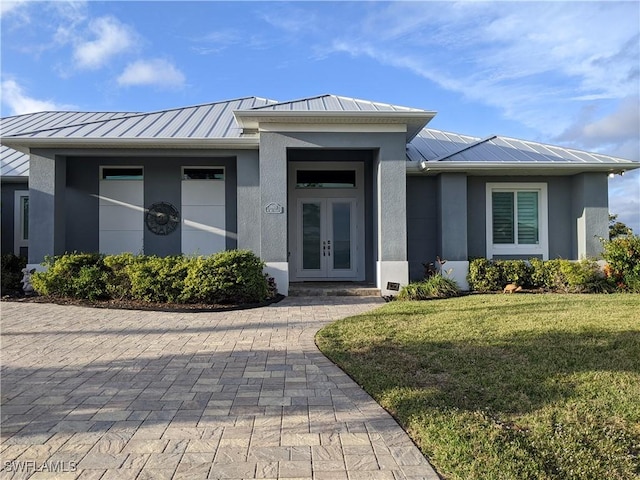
pixel 618 131
pixel 19 102
pixel 12 7
pixel 157 72
pixel 110 38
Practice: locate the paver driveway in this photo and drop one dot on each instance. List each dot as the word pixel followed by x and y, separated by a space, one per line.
pixel 114 394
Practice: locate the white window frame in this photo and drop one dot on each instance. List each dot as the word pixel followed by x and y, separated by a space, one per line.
pixel 541 249
pixel 18 221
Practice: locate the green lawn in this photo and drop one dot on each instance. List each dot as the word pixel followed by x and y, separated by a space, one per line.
pixel 505 386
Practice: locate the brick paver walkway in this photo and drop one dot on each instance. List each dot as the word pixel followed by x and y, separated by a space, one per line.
pixel 113 394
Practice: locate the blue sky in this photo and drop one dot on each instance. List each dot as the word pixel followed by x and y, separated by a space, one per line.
pixel 566 73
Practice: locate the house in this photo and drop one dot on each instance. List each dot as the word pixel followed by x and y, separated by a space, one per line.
pixel 322 188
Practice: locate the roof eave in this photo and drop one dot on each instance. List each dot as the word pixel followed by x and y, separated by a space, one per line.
pixel 433 168
pixel 23 144
pixel 414 120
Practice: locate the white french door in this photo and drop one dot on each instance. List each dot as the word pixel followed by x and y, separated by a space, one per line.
pixel 327 238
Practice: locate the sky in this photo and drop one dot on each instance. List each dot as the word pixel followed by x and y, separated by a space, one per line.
pixel 565 73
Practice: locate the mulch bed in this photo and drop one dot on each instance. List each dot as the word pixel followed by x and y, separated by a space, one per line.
pixel 140 305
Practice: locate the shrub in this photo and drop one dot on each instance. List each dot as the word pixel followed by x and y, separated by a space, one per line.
pixel 485 275
pixel 517 272
pixel 233 276
pixel 154 279
pixel 436 286
pixel 119 285
pixel 623 261
pixel 75 275
pixel 584 276
pixel 227 277
pixel 11 273
pixel 543 273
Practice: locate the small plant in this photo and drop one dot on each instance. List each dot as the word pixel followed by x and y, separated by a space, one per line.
pixel 436 286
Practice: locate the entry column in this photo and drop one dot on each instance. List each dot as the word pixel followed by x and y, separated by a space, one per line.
pixel 273 204
pixel 47 182
pixel 391 218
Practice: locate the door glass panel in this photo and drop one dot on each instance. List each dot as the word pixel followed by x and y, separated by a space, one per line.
pixel 341 217
pixel 311 236
pixel 25 217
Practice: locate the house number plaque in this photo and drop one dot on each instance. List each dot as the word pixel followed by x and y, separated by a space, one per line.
pixel 274 208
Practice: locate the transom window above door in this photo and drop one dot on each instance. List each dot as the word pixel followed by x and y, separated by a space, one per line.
pixel 325 179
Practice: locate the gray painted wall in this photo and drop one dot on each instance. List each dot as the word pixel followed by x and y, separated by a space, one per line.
pixel 452 210
pixel 422 224
pixel 248 181
pixel 79 204
pixel 8 206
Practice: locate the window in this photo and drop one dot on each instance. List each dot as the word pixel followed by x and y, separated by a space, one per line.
pixel 325 178
pixel 517 219
pixel 121 173
pixel 202 173
pixel 21 221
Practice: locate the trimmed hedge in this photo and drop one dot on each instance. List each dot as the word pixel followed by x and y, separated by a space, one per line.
pixel 584 276
pixel 234 276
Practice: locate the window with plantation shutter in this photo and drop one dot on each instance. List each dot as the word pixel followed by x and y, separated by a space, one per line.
pixel 503 226
pixel 517 219
pixel 527 218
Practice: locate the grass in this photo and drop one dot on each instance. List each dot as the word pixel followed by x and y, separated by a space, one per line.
pixel 505 386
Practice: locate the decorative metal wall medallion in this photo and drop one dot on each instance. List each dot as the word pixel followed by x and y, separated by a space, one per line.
pixel 162 218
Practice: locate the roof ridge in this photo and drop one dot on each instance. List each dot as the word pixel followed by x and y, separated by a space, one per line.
pixel 339 97
pixel 293 101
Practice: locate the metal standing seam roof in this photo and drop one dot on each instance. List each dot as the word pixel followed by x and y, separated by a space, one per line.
pixel 212 120
pixel 16 164
pixel 432 146
pixel 216 120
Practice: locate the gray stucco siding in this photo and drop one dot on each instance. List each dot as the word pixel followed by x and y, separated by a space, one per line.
pixel 422 234
pixel 47 212
pixel 8 206
pixel 162 182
